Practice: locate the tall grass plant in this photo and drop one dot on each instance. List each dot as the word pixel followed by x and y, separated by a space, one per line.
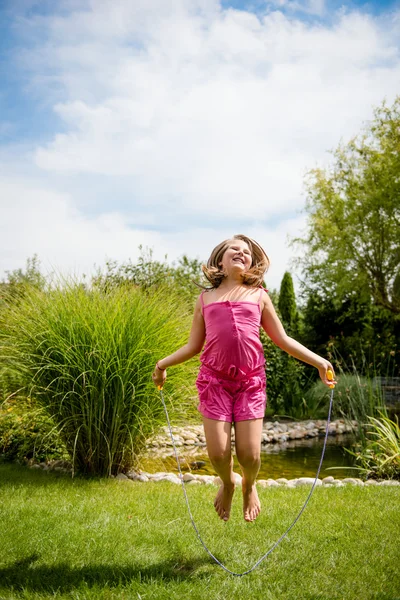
pixel 379 455
pixel 86 356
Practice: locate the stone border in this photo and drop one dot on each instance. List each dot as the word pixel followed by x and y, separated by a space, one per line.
pixel 273 432
pixel 192 479
pixel 63 466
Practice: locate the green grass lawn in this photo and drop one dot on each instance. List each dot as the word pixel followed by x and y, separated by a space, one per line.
pixel 107 539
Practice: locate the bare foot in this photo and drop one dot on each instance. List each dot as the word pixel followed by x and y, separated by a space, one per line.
pixel 223 501
pixel 251 502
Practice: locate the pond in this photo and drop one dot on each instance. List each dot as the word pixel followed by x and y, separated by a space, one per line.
pixel 295 458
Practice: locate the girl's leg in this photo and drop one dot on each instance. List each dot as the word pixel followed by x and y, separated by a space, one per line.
pixel 248 448
pixel 218 439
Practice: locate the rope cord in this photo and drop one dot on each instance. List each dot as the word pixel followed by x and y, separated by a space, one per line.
pixel 264 556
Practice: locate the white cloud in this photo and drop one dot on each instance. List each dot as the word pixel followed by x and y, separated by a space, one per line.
pixel 218 109
pixel 47 223
pixel 181 110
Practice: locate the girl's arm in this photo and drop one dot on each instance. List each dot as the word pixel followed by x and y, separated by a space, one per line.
pixel 275 330
pixel 194 345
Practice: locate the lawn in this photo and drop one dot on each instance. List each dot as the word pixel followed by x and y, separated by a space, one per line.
pixel 107 539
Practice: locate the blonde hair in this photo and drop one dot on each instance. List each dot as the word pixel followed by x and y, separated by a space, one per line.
pixel 253 277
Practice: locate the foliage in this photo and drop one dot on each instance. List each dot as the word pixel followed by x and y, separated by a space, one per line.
pixel 352 244
pixel 87 358
pixel 17 281
pixel 149 273
pixel 287 378
pixel 379 455
pixel 355 332
pixel 27 432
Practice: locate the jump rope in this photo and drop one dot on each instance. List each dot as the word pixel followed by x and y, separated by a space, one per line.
pixel 329 376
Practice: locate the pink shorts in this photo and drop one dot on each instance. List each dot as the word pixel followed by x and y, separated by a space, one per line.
pixel 231 400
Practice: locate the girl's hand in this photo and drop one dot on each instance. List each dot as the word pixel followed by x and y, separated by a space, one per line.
pixel 323 372
pixel 159 376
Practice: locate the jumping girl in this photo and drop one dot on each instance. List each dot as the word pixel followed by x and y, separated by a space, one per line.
pixel 231 381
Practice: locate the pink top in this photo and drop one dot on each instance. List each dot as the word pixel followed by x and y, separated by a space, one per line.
pixel 233 347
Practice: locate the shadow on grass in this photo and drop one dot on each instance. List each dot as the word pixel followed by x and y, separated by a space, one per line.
pixel 24 575
pixel 16 474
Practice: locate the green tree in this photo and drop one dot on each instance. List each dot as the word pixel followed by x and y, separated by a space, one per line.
pixel 287 302
pixel 352 244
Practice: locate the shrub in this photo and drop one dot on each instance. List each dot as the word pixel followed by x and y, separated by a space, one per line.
pixel 27 432
pixel 87 358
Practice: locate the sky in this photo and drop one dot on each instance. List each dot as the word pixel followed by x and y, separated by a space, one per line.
pixel 174 124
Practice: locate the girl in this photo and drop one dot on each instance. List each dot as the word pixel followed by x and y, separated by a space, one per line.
pixel 231 382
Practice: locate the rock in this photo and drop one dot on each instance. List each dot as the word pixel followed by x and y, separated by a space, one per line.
pixel 353 481
pixel 328 479
pixel 261 483
pixel 272 483
pixel 237 478
pixel 188 477
pixel 310 426
pixel 142 478
pixel 291 483
pixel 282 480
pixel 389 482
pixel 121 476
pixel 171 477
pixel 206 479
pixel 189 442
pixel 157 476
pixel 197 464
pixel 193 482
pixel 338 483
pixel 307 481
pixel 35 466
pixel 371 482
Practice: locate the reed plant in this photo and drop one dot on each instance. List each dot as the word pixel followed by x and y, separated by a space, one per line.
pixel 379 455
pixel 355 398
pixel 86 356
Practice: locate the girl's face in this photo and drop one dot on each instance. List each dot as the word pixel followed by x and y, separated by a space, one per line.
pixel 237 257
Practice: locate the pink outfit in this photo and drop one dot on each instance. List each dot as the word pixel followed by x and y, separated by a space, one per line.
pixel 231 381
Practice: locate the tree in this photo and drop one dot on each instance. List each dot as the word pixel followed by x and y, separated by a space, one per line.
pixel 287 302
pixel 352 244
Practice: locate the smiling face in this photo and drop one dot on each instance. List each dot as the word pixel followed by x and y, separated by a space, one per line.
pixel 237 257
pixel 240 258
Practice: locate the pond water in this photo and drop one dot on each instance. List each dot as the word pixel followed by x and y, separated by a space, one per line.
pixel 296 458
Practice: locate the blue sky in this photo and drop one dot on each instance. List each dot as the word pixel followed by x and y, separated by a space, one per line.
pixel 176 123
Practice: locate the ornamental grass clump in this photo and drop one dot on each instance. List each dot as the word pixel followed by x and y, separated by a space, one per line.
pixel 379 454
pixel 86 356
